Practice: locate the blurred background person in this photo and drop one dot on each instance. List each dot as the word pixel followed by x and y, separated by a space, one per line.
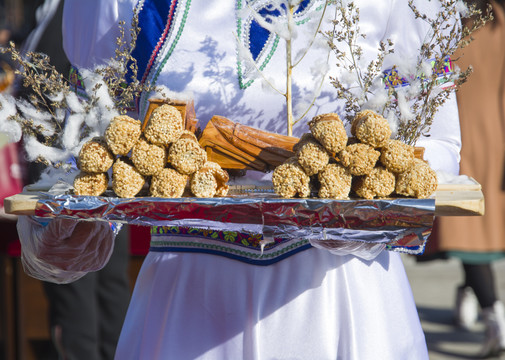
pixel 85 316
pixel 478 241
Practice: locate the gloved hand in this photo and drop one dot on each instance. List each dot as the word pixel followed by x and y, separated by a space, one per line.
pixel 64 250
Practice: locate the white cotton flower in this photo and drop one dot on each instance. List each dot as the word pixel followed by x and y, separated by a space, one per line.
pixel 393 123
pixel 377 99
pixel 9 127
pixel 415 89
pixel 426 68
pixel 56 98
pixel 39 118
pixel 51 175
pixel 73 103
pixel 404 106
pixel 461 8
pixel 348 77
pixel 72 130
pixel 35 149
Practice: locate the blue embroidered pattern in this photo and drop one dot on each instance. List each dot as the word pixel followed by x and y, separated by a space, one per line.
pixel 161 24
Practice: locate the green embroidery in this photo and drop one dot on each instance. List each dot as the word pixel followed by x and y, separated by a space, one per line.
pixel 230 236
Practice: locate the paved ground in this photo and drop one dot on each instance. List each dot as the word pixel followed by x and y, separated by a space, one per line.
pixel 434 286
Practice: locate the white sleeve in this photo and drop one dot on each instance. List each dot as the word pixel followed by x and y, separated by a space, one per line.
pixel 90 29
pixel 443 142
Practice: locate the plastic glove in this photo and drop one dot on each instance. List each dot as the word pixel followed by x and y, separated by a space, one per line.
pixel 64 250
pixel 364 250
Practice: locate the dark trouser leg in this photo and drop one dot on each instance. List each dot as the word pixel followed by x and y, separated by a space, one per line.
pixel 480 278
pixel 113 294
pixel 73 318
pixel 86 316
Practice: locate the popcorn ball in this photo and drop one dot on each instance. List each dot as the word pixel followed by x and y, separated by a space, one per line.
pixel 188 135
pixel 380 182
pixel 186 155
pixel 95 157
pixel 164 126
pixel 329 130
pixel 149 159
pixel 371 128
pixel 312 157
pixel 122 133
pixel 419 180
pixel 209 181
pixel 91 184
pixel 289 179
pixel 397 156
pixel 359 158
pixel 126 180
pixel 335 182
pixel 305 138
pixel 168 183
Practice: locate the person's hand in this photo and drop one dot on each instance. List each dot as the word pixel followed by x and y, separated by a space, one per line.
pixel 76 245
pixel 64 249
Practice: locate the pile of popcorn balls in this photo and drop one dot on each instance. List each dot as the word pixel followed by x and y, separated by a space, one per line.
pixel 369 164
pixel 164 157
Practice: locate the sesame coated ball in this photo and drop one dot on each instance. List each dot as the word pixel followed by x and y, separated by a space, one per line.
pixel 290 180
pixel 371 128
pixel 397 156
pixel 149 159
pixel 359 158
pixel 335 182
pixel 209 181
pixel 164 126
pixel 187 155
pixel 312 157
pixel 380 183
pixel 419 180
pixel 95 157
pixel 305 138
pixel 122 133
pixel 127 181
pixel 168 183
pixel 91 184
pixel 330 131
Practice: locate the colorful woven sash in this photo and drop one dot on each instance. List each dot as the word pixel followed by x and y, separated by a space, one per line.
pixel 246 247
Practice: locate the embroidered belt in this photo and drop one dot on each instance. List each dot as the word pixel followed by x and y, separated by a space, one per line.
pixel 246 247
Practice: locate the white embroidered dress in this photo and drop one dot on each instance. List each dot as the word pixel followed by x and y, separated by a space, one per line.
pixel 311 305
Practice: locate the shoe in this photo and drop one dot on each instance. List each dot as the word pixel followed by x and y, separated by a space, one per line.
pixel 466 310
pixel 494 320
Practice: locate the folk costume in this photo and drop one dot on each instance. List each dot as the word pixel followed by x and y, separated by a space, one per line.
pixel 211 300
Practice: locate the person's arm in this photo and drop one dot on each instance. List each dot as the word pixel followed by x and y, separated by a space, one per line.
pixel 63 250
pixel 91 28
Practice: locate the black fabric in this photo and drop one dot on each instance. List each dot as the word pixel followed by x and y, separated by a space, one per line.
pixel 480 278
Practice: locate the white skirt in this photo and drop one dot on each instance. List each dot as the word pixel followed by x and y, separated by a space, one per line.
pixel 312 305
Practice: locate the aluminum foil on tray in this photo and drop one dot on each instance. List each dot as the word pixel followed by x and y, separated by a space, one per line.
pixel 400 224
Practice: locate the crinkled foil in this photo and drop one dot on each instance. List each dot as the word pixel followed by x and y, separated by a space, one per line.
pixel 401 224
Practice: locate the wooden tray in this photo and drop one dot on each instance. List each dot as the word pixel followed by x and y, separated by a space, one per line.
pixel 450 200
